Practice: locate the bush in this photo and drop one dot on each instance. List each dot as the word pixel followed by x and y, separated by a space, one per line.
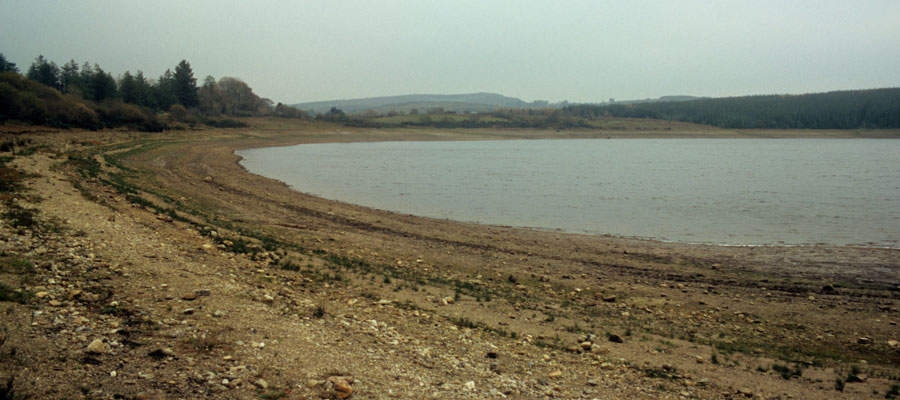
pixel 178 112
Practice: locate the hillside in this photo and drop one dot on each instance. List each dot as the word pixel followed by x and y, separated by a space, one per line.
pixel 473 102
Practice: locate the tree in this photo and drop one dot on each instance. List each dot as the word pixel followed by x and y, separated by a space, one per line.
pixel 163 92
pixel 102 84
pixel 185 85
pixel 285 111
pixel 128 88
pixel 45 72
pixel 142 90
pixel 209 98
pixel 238 98
pixel 6 65
pixel 68 76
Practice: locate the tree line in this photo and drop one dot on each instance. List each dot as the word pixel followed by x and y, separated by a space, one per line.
pixel 856 109
pixel 852 109
pixel 87 96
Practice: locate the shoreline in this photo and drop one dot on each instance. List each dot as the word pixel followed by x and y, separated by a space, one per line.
pixel 813 135
pixel 230 284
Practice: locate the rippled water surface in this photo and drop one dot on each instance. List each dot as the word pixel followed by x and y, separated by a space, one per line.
pixel 723 191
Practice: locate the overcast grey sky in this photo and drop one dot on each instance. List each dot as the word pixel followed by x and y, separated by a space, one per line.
pixel 583 51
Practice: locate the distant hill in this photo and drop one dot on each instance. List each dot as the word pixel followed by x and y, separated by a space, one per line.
pixel 663 99
pixel 473 102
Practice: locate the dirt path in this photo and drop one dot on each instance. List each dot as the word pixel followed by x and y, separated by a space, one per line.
pixel 203 281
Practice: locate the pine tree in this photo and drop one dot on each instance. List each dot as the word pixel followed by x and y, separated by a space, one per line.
pixel 185 85
pixel 6 65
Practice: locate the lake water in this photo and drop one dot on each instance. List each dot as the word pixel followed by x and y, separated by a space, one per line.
pixel 720 191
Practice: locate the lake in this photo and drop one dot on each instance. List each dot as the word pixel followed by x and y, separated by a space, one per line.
pixel 717 191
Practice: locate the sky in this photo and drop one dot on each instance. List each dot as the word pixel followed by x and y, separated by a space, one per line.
pixel 579 51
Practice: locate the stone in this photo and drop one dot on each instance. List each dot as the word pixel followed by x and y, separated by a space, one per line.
pixel 343 390
pixel 586 346
pixel 261 383
pixel 188 311
pixel 892 343
pixel 555 374
pixel 202 292
pixel 598 349
pixel 219 313
pixel 41 295
pixel 699 360
pixel 615 338
pixel 97 347
pixel 470 385
pixel 610 298
pixel 747 392
pixel 864 340
pixel 189 297
pixel 268 299
pixel 448 300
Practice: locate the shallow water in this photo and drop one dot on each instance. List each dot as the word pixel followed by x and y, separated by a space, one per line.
pixel 721 191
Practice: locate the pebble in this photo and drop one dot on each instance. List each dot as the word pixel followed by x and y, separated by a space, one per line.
pixel 261 383
pixel 97 347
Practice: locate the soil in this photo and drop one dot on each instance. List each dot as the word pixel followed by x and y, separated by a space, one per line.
pixel 154 266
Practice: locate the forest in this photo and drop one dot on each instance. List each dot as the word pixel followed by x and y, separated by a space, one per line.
pixel 86 96
pixel 853 109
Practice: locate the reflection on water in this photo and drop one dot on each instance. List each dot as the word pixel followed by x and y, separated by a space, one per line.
pixel 723 191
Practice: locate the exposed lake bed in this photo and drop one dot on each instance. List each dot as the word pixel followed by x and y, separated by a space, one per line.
pixel 721 316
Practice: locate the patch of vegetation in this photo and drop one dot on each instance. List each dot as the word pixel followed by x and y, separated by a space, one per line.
pixel 319 311
pixel 787 372
pixel 10 178
pixel 8 293
pixel 20 217
pixel 8 391
pixel 662 373
pixel 893 392
pixel 274 395
pixel 17 265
